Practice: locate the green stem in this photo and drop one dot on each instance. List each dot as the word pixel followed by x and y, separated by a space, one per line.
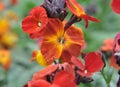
pixel 107 82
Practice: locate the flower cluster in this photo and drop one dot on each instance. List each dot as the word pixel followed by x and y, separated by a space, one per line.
pixel 60 43
pixel 8 38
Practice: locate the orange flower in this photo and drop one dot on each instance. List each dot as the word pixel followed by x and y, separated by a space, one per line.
pixel 113 63
pixel 116 6
pixel 35 23
pixel 5 60
pixel 78 11
pixel 59 43
pixel 107 45
pixel 1 6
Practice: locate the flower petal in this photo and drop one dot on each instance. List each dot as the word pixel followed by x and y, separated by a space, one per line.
pixel 36 22
pixel 77 62
pixel 39 83
pixel 50 46
pixel 93 62
pixel 116 6
pixel 46 71
pixel 66 80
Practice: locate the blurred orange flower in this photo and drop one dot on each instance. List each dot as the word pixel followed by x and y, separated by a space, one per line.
pixel 78 11
pixel 58 43
pixel 35 23
pixel 107 45
pixel 1 6
pixel 5 59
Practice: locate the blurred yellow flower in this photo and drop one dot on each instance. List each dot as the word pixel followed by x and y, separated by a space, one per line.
pixel 5 60
pixel 9 39
pixel 11 15
pixel 4 25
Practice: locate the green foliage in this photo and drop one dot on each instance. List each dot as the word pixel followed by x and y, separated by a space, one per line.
pixel 22 69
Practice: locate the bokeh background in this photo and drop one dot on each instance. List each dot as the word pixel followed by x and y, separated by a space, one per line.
pixel 21 69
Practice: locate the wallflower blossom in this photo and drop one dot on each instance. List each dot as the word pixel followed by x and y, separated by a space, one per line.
pixel 78 11
pixel 116 6
pixel 93 63
pixel 35 23
pixel 5 60
pixel 58 43
pixel 66 80
pixel 107 45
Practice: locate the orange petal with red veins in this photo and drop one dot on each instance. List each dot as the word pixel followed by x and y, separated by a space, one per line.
pixel 93 62
pixel 51 48
pixel 75 35
pixel 66 56
pixel 66 80
pixel 116 6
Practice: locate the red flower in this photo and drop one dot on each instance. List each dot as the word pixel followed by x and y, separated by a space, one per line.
pixel 93 63
pixel 58 43
pixel 14 2
pixel 61 79
pixel 35 23
pixel 78 11
pixel 116 6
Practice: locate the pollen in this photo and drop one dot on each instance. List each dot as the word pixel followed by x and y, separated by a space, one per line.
pixel 39 24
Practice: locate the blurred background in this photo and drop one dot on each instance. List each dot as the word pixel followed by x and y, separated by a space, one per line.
pixel 16 46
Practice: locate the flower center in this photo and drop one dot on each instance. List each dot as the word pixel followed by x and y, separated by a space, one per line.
pixel 39 24
pixel 85 71
pixel 61 40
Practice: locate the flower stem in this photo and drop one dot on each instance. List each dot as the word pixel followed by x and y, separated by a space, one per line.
pixel 106 80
